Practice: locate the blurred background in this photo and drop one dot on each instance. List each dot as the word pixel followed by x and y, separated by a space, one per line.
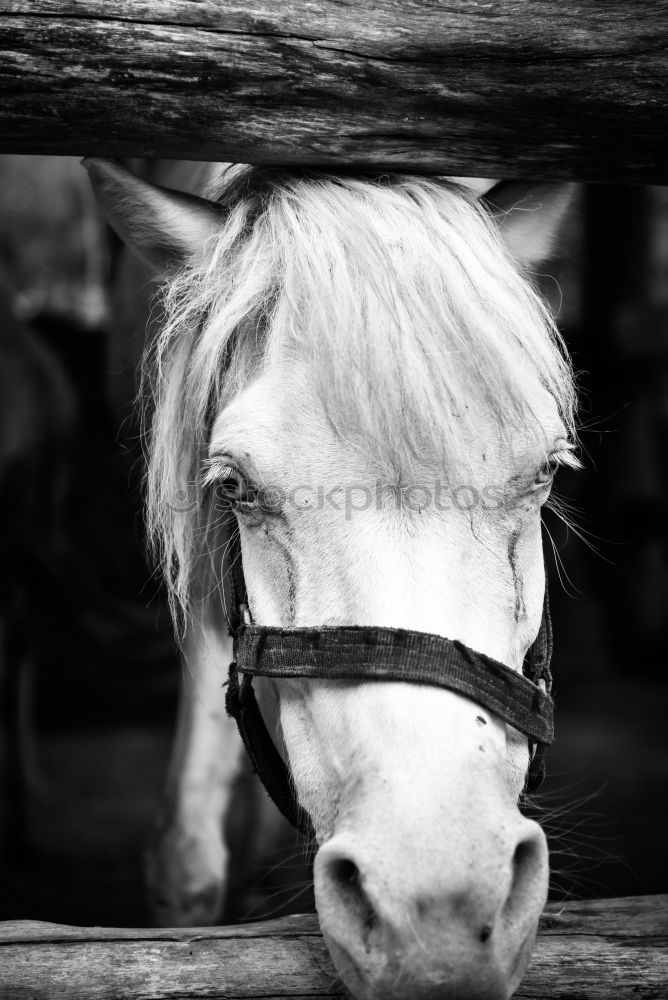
pixel 89 673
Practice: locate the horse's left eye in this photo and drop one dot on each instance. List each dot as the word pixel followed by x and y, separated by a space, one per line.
pixel 548 471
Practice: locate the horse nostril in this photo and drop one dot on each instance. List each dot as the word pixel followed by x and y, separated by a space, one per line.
pixel 528 866
pixel 345 871
pixel 346 881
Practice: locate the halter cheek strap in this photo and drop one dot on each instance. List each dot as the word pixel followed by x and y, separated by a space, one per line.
pixel 359 653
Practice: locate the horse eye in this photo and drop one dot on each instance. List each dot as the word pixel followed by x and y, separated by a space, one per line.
pixel 548 471
pixel 233 488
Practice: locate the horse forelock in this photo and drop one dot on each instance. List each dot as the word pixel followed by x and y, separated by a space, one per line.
pixel 395 295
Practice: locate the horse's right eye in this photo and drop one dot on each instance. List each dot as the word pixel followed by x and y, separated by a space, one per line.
pixel 233 488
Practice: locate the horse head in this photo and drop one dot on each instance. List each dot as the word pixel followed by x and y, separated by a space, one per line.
pixel 356 375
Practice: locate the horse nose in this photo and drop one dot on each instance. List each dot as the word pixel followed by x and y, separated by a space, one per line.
pixel 458 932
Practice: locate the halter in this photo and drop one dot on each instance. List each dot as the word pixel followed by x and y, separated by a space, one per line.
pixel 362 653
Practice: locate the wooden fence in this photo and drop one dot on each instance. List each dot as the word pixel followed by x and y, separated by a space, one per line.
pixel 542 88
pixel 614 949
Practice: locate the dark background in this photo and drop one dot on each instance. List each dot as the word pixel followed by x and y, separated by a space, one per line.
pixel 88 669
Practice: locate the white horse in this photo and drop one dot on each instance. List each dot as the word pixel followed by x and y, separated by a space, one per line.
pixel 360 370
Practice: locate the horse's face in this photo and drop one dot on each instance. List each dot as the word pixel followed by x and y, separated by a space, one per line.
pixel 427 874
pixel 428 880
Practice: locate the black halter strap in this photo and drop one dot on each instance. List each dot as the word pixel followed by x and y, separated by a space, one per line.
pixel 363 653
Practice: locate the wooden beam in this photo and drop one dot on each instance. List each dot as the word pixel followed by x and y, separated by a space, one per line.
pixel 543 88
pixel 587 950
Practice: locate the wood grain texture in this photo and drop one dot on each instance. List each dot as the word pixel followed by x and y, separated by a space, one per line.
pixel 585 951
pixel 549 88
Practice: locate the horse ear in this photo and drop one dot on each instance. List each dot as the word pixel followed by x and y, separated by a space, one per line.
pixel 530 217
pixel 164 227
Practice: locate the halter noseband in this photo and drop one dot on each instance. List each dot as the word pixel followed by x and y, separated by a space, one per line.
pixel 362 653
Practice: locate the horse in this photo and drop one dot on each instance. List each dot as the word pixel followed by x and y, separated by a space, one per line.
pixel 357 390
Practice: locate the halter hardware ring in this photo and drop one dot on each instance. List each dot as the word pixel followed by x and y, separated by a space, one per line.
pixel 245 688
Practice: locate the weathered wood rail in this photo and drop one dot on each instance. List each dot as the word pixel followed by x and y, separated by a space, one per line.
pixel 587 950
pixel 550 88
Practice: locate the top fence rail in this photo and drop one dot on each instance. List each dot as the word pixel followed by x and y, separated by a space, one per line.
pixel 532 88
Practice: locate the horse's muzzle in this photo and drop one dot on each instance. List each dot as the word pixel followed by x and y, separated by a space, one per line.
pixel 455 931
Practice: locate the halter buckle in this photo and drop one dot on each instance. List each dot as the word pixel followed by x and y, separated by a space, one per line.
pixel 239 688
